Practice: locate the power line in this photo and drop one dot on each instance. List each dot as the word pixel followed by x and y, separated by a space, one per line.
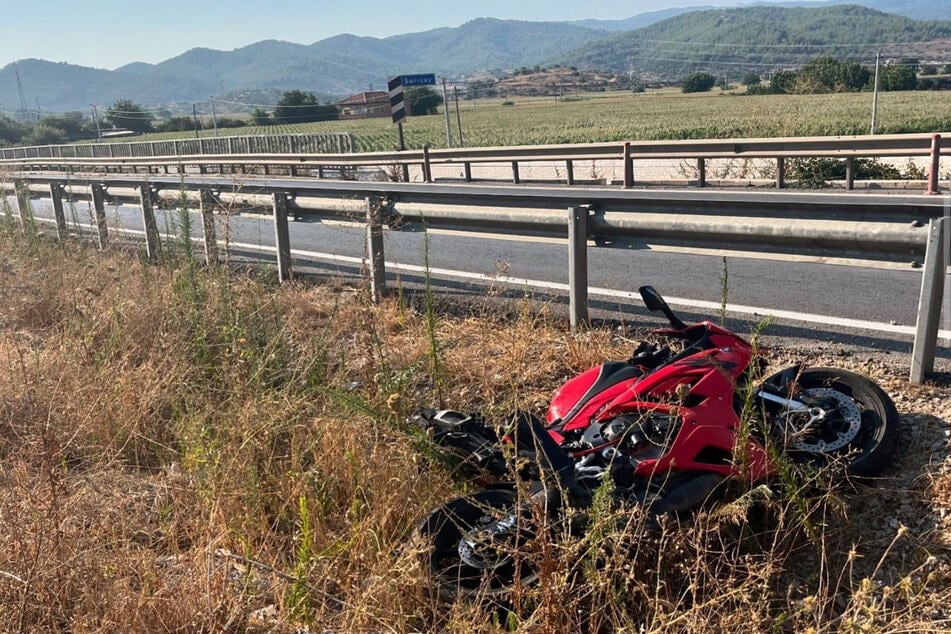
pixel 803 45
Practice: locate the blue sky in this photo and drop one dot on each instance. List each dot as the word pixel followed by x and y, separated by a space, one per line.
pixel 111 33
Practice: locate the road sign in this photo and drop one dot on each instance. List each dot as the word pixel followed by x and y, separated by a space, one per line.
pixel 395 86
pixel 419 80
pixel 397 107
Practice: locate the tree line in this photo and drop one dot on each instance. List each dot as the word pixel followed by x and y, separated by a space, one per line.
pixel 826 74
pixel 295 106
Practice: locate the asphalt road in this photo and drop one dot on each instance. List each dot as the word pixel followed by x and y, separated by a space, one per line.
pixel 885 296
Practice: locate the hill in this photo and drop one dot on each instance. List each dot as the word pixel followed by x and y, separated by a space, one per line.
pixel 335 66
pixel 914 9
pixel 759 39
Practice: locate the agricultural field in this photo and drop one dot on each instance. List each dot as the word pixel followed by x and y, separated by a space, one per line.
pixel 665 114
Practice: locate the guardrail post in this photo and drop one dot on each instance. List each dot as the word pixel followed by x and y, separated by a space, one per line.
pixel 850 173
pixel 467 171
pixel 628 166
pixel 427 166
pixel 153 243
pixel 99 208
pixel 578 266
pixel 701 172
pixel 374 254
pixel 569 172
pixel 56 194
pixel 516 178
pixel 20 189
pixel 206 204
pixel 780 172
pixel 935 165
pixel 282 237
pixel 929 303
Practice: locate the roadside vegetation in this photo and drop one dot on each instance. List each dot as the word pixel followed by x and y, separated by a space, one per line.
pixel 195 449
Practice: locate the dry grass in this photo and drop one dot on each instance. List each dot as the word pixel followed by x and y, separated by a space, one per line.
pixel 193 450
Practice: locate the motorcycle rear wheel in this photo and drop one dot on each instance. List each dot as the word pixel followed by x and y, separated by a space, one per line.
pixel 472 546
pixel 861 427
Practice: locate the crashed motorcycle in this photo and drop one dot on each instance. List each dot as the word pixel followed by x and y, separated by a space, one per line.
pixel 664 430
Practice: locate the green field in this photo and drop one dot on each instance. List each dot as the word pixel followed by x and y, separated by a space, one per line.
pixel 666 114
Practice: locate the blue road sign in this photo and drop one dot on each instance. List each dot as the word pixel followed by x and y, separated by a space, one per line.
pixel 419 80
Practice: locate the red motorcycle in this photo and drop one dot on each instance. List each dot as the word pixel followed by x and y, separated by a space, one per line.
pixel 665 429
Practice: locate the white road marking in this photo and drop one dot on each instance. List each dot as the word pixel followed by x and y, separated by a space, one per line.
pixel 786 315
pixel 783 315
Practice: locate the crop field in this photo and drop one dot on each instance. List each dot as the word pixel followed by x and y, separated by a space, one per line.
pixel 666 114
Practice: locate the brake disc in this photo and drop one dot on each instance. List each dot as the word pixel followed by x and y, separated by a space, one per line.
pixel 839 426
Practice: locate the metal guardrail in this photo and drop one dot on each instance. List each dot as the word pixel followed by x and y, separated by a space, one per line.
pixel 336 142
pixel 824 223
pixel 211 159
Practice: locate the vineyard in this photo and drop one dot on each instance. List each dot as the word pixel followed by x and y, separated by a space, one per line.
pixel 655 115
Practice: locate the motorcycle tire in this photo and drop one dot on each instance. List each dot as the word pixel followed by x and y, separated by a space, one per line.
pixel 461 561
pixel 862 429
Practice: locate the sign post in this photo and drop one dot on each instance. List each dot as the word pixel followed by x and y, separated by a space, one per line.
pixel 398 105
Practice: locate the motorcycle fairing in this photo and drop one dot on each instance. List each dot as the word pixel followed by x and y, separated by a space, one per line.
pixel 574 395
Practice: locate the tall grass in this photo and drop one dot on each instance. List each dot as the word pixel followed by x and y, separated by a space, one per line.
pixel 198 449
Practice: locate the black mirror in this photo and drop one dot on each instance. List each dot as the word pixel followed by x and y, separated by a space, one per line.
pixel 655 302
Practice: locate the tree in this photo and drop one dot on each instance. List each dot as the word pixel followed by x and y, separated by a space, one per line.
pixel 72 124
pixel 298 106
pixel 927 70
pixel 783 82
pixel 828 74
pixel 894 77
pixel 129 115
pixel 422 100
pixel 911 62
pixel 45 135
pixel 699 82
pixel 946 70
pixel 11 132
pixel 855 76
pixel 260 116
pixel 751 79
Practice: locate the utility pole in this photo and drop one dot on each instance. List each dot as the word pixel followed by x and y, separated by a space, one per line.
pixel 214 117
pixel 95 117
pixel 445 101
pixel 878 60
pixel 195 118
pixel 455 94
pixel 24 110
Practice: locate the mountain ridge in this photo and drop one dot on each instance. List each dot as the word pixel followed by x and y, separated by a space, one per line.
pixel 347 63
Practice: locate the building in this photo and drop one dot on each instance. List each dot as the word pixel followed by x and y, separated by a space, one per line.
pixel 365 105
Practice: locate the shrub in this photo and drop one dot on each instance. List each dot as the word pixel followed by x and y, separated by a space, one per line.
pixel 298 106
pixel 699 82
pixel 45 135
pixel 816 172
